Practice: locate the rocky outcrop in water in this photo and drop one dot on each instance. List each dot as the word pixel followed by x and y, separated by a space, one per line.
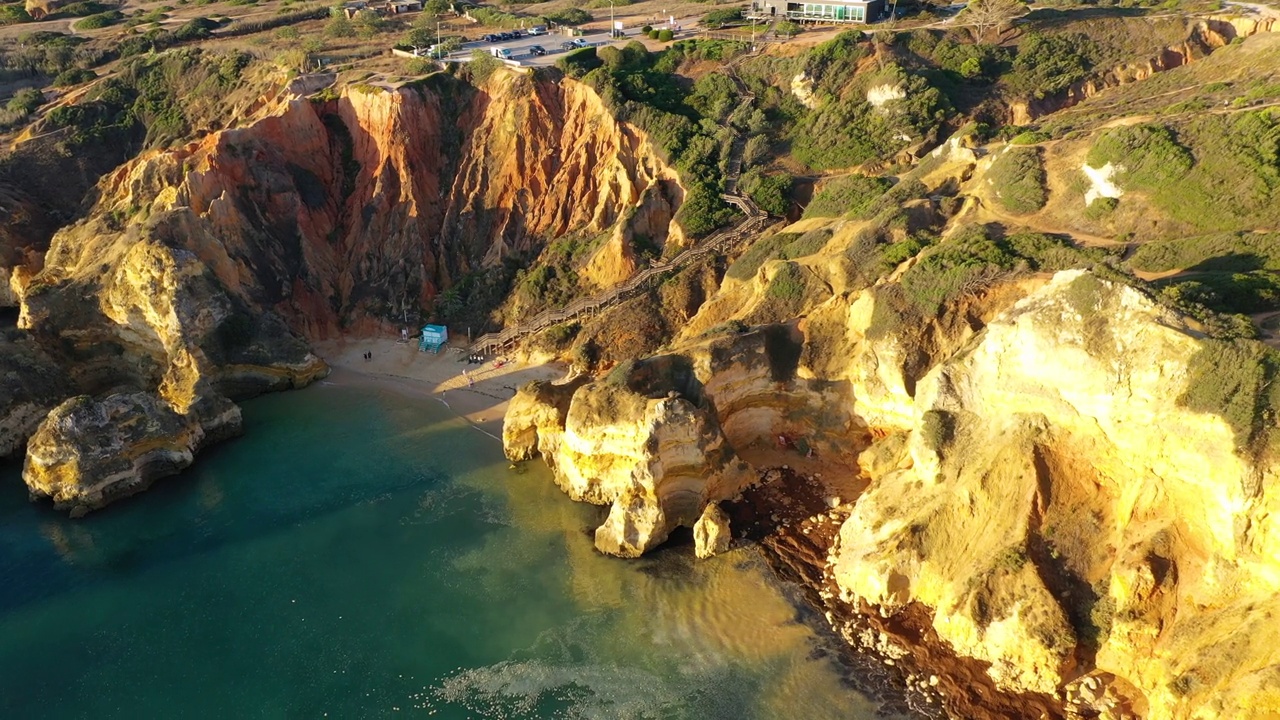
pixel 659 440
pixel 711 534
pixel 90 452
pixel 644 441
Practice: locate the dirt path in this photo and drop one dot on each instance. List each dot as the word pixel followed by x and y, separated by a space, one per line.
pixel 987 212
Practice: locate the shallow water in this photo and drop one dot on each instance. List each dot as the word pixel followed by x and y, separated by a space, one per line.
pixel 364 554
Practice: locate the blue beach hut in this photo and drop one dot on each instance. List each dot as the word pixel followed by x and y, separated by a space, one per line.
pixel 433 338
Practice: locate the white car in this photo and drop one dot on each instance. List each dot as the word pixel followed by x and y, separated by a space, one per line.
pixel 538 30
pixel 501 52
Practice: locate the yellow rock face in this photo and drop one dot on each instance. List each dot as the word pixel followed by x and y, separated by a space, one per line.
pixel 1058 493
pixel 1051 473
pixel 662 440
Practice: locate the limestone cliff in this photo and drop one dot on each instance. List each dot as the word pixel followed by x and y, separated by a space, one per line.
pixel 644 441
pixel 1059 476
pixel 89 452
pixel 31 385
pixel 1068 506
pixel 203 268
pixel 659 440
pixel 343 213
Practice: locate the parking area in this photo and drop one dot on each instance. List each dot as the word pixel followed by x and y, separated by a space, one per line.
pixel 553 44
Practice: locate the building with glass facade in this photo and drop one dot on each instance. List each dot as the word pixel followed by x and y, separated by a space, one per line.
pixel 831 11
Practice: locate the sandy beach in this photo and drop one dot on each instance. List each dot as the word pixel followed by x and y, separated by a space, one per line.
pixel 480 395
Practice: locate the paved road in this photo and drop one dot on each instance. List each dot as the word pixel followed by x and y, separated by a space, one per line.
pixel 520 48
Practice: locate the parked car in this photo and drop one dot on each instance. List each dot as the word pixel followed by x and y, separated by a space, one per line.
pixel 537 50
pixel 538 30
pixel 617 33
pixel 506 36
pixel 517 33
pixel 501 52
pixel 490 38
pixel 580 43
pixel 568 45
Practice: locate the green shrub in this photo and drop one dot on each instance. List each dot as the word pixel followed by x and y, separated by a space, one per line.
pixel 1100 208
pixel 256 24
pixel 569 16
pixel 971 260
pixel 666 36
pixel 1227 252
pixel 25 101
pixel 847 130
pixel 1017 180
pixel 646 29
pixel 74 76
pixel 787 283
pixel 1150 155
pixel 720 18
pixel 339 27
pixel 760 251
pixel 579 62
pixel 1031 137
pixel 771 192
pixel 13 14
pixel 1237 381
pixel 481 66
pixel 848 194
pixel 195 29
pixel 419 66
pixel 101 20
pixel 1048 64
pixel 83 9
pixel 703 211
pixel 714 96
pixel 805 245
pixel 787 29
pixel 1229 293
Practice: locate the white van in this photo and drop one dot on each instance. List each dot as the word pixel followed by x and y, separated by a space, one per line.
pixel 538 30
pixel 501 52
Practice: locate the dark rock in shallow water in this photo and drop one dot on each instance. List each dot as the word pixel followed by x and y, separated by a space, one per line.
pixel 90 452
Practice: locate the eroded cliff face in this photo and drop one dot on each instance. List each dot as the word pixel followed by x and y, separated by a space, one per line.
pixel 662 440
pixel 203 269
pixel 337 214
pixel 1049 481
pixel 1063 511
pixel 1205 37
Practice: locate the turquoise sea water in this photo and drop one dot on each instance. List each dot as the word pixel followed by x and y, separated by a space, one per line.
pixel 363 554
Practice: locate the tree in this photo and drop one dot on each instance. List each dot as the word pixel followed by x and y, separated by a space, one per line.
pixel 369 23
pixel 786 29
pixel 437 7
pixel 339 27
pixel 986 15
pixel 420 37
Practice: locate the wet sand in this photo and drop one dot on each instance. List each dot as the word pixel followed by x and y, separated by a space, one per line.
pixel 480 395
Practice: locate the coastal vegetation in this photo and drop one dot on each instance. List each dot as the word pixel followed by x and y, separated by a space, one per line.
pixel 1018 181
pixel 926 193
